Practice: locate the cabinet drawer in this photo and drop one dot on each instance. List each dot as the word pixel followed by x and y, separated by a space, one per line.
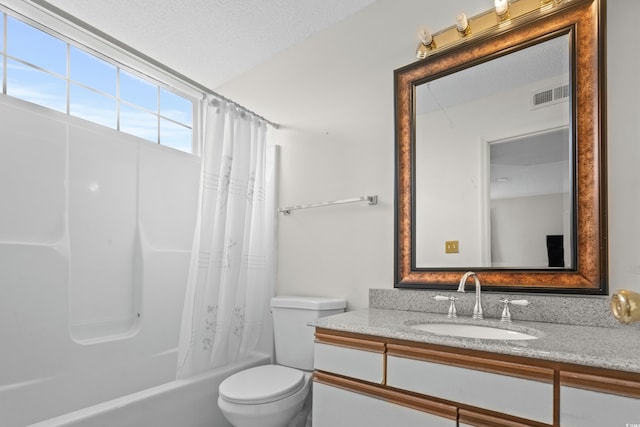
pixel 340 402
pixel 511 388
pixel 351 357
pixel 594 401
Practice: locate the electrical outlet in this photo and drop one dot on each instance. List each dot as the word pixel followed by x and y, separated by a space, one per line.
pixel 451 247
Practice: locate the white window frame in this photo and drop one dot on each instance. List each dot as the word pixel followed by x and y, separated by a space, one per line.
pixel 98 45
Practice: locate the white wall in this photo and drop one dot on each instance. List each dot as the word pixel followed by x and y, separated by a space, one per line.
pixel 623 130
pixel 334 97
pixel 513 245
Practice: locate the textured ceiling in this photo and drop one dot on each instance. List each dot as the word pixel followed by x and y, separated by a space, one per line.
pixel 539 62
pixel 210 41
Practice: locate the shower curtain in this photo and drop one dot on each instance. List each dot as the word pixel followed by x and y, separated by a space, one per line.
pixel 231 276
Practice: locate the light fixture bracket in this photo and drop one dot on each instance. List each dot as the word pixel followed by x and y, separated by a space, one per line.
pixel 488 23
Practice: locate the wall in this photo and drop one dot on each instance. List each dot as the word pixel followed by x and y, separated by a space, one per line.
pixel 515 245
pixel 623 133
pixel 334 97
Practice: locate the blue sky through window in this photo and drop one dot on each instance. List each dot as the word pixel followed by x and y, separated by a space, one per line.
pixel 139 123
pixel 1 45
pixel 175 136
pixel 137 91
pixel 36 86
pixel 36 47
pixel 92 106
pixel 175 107
pixel 92 83
pixel 91 71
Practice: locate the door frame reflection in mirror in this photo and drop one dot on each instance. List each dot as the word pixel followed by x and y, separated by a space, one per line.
pixel 529 198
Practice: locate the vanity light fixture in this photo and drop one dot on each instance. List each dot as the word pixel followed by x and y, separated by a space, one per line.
pixel 426 43
pixel 503 13
pixel 462 25
pixel 546 4
pixel 502 9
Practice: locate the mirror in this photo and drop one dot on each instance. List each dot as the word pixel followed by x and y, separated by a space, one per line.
pixel 499 158
pixel 487 134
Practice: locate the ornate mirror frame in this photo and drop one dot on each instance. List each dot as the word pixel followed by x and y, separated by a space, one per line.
pixel 584 21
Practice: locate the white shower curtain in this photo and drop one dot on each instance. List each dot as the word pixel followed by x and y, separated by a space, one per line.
pixel 232 262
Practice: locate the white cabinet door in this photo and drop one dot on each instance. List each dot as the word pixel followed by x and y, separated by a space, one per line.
pixel 588 408
pixel 350 356
pixel 337 407
pixel 482 384
pixel 355 363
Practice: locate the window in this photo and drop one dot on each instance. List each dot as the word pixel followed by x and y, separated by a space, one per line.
pixel 43 69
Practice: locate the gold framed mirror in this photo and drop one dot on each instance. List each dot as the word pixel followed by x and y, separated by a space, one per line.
pixel 459 132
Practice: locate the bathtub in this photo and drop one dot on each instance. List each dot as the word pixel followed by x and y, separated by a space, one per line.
pixel 188 402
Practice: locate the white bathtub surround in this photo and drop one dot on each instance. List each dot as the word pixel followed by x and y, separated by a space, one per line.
pixel 231 276
pixel 96 229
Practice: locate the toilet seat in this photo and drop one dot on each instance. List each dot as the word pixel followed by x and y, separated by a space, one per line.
pixel 262 384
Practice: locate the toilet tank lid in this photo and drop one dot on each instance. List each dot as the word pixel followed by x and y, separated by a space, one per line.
pixel 308 303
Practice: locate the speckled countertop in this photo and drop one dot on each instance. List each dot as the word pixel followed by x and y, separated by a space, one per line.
pixel 598 346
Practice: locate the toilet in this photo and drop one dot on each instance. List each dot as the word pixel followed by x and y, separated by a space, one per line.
pixel 273 395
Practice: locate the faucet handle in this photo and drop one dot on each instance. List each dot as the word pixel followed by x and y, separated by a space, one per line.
pixel 452 313
pixel 520 302
pixel 506 314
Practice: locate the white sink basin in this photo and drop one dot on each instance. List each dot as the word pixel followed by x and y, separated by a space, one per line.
pixel 473 331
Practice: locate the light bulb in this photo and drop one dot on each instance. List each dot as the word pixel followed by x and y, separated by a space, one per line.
pixel 425 36
pixel 502 7
pixel 461 22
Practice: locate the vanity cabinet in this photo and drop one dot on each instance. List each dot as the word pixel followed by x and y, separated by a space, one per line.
pixel 348 389
pixel 593 400
pixel 376 381
pixel 517 389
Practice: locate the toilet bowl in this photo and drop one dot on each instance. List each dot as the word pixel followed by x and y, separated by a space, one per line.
pixel 274 395
pixel 264 396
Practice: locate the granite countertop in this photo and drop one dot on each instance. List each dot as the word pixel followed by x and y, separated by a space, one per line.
pixel 597 346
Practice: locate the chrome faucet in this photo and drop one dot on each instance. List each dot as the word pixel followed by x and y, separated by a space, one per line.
pixel 477 309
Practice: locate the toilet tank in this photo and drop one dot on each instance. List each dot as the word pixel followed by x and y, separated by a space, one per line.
pixel 293 337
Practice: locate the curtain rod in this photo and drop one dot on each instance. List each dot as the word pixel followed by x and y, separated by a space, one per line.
pixel 246 110
pixel 136 53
